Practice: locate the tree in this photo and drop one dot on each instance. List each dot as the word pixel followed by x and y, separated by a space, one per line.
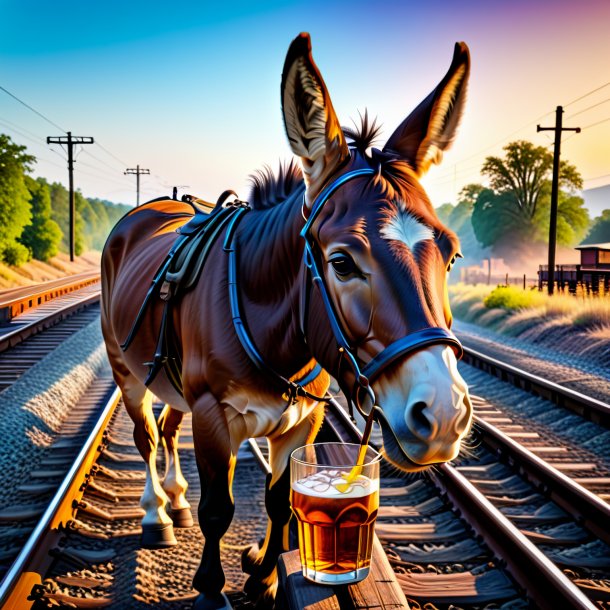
pixel 444 212
pixel 60 208
pixel 515 209
pixel 461 214
pixel 14 199
pixel 459 219
pixel 600 229
pixel 43 235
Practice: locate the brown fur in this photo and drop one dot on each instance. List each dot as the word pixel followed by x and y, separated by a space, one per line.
pixel 394 292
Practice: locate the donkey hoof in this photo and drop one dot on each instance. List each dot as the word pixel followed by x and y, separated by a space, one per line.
pixel 158 536
pixel 214 602
pixel 182 517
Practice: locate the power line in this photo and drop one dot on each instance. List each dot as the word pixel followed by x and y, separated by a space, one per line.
pixel 450 176
pixel 582 97
pixel 596 178
pixel 101 161
pixel 597 123
pixel 19 128
pixel 588 108
pixel 33 109
pixel 123 164
pixel 101 176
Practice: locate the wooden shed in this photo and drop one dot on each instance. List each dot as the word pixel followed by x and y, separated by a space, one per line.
pixel 592 272
pixel 594 256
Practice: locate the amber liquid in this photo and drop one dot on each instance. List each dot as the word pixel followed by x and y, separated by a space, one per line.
pixel 335 534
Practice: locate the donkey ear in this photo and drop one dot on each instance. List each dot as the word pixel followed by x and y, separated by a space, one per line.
pixel 312 126
pixel 429 130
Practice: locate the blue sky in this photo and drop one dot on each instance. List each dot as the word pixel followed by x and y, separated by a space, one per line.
pixel 191 89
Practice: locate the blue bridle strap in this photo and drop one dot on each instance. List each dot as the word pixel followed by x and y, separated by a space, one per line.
pixel 293 387
pixel 326 193
pixel 409 343
pixel 401 347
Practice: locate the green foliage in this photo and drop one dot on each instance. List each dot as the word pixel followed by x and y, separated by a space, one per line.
pixel 572 218
pixel 516 208
pixel 81 235
pixel 43 235
pixel 60 210
pixel 107 215
pixel 15 254
pixel 600 229
pixel 494 219
pixel 14 196
pixel 34 215
pixel 509 297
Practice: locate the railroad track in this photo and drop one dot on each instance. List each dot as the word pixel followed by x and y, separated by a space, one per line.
pixel 440 558
pixel 15 302
pixel 561 427
pixel 71 299
pixel 532 549
pixel 509 525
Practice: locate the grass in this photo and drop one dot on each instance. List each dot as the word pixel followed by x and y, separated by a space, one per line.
pixel 35 271
pixel 515 311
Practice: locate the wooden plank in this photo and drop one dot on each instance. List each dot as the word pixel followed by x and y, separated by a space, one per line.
pixel 379 591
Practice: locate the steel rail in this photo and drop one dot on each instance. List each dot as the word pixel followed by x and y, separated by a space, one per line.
pixel 16 301
pixel 589 510
pixel 535 573
pixel 16 336
pixel 29 567
pixel 590 408
pixel 540 578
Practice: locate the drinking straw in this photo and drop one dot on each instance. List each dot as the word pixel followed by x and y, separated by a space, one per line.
pixel 364 443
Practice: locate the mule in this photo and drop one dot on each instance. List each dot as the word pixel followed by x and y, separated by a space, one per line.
pixel 342 265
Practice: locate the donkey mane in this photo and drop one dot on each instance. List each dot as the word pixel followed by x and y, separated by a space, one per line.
pixel 363 137
pixel 269 189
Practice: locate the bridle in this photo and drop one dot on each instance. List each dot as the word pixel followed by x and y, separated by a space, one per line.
pixel 363 375
pixel 408 344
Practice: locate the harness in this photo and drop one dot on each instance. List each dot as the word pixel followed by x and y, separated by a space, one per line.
pixel 205 231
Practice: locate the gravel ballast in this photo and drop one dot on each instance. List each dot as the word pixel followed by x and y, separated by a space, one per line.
pixel 33 408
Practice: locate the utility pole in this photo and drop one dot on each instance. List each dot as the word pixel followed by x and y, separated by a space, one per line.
pixel 137 171
pixel 558 129
pixel 70 141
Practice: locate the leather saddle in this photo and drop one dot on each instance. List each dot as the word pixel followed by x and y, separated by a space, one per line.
pixel 177 274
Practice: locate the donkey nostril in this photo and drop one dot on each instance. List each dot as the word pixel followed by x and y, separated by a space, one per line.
pixel 420 425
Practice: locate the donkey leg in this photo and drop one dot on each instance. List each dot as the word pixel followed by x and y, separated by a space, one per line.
pixel 216 465
pixel 174 483
pixel 157 529
pixel 261 563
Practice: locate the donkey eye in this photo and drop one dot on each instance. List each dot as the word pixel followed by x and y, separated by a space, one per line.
pixel 344 265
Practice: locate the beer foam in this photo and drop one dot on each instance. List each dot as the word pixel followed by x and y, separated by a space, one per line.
pixel 324 484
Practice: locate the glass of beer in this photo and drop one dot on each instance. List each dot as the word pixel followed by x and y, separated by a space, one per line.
pixel 336 525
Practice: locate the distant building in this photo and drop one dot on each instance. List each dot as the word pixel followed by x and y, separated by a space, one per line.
pixel 593 271
pixel 594 256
